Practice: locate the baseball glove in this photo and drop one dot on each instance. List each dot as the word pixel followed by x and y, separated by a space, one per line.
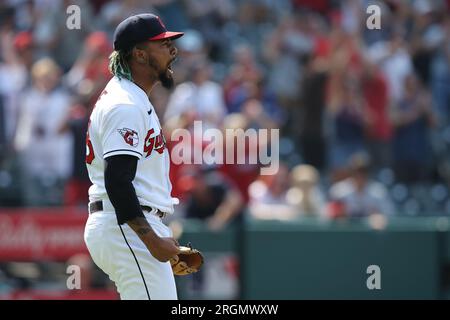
pixel 187 261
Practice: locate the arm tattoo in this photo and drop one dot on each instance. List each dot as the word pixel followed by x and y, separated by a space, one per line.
pixel 143 231
pixel 140 225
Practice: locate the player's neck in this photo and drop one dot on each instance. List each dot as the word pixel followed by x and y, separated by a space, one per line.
pixel 144 82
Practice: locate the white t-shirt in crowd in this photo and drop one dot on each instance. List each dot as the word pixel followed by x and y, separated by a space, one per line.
pixel 206 100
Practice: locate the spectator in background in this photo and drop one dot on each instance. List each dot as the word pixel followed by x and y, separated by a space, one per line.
pixel 308 125
pixel 244 69
pixel 257 115
pixel 269 197
pixel 246 92
pixel 426 36
pixel 378 128
pixel 348 116
pixel 14 77
pixel 268 114
pixel 287 195
pixel 285 48
pixel 346 113
pixel 395 61
pixel 305 193
pixel 213 199
pixel 45 154
pixel 191 48
pixel 240 170
pixel 23 50
pixel 358 196
pixel 7 29
pixel 198 99
pixel 412 117
pixel 90 73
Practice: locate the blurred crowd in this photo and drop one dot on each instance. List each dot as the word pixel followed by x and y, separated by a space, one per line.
pixel 363 114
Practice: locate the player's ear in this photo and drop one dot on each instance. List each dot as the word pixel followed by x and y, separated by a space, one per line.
pixel 140 55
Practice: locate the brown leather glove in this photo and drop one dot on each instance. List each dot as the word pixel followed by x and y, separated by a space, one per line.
pixel 188 261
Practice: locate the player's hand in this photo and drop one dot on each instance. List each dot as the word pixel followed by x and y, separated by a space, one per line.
pixel 164 249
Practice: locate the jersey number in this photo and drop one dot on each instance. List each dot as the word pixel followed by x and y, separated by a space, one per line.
pixel 89 148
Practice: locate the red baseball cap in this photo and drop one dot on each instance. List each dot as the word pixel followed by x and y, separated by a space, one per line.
pixel 23 40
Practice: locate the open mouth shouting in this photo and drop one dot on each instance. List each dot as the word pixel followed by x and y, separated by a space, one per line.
pixel 169 66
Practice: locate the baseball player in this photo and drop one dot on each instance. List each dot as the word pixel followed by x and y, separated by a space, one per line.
pixel 128 165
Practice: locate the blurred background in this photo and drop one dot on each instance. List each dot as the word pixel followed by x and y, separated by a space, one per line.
pixel 364 119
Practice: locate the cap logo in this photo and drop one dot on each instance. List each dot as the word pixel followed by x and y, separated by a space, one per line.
pixel 161 23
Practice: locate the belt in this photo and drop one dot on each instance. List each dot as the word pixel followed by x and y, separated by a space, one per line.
pixel 98 206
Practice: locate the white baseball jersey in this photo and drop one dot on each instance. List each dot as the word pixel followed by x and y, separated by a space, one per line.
pixel 124 122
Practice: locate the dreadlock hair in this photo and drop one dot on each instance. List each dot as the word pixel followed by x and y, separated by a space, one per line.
pixel 119 64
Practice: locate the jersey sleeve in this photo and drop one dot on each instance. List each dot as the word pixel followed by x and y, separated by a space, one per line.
pixel 123 131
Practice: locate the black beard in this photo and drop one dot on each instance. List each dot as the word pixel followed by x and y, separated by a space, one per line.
pixel 166 80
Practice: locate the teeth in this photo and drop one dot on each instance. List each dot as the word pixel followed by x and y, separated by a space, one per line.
pixel 169 67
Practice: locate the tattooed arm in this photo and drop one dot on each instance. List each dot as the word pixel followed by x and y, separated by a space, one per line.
pixel 161 248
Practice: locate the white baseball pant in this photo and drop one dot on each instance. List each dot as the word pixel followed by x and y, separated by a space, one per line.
pixel 119 252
